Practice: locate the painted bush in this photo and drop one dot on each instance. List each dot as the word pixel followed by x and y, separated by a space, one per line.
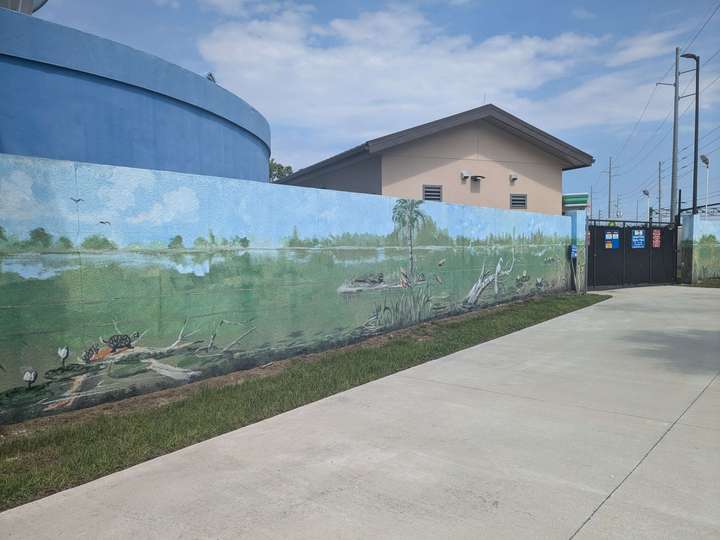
pixel 700 247
pixel 118 281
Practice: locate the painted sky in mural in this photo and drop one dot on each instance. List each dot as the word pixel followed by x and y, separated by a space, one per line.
pixel 141 206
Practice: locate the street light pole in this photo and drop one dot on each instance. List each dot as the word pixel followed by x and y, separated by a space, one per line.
pixel 647 196
pixel 696 58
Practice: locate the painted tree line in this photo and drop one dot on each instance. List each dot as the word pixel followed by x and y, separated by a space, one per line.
pixel 39 239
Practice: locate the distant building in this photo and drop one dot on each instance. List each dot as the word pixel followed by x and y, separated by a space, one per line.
pixel 70 95
pixel 485 156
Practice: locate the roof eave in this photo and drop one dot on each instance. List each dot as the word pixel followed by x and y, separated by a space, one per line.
pixel 337 160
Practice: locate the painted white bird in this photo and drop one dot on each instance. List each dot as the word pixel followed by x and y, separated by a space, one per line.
pixel 30 376
pixel 63 353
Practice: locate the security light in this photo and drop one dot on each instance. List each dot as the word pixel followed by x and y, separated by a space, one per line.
pixel 513 178
pixel 705 160
pixel 464 175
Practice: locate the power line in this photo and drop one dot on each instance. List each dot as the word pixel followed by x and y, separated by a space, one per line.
pixel 711 57
pixel 710 84
pixel 717 7
pixel 652 92
pixel 632 133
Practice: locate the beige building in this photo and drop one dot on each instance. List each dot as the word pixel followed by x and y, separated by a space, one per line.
pixel 485 157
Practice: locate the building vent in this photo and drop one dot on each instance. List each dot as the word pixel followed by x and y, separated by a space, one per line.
pixel 432 193
pixel 518 201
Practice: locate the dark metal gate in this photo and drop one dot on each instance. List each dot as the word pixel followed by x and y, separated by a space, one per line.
pixel 631 253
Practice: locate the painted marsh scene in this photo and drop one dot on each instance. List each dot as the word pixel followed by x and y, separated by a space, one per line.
pixel 188 276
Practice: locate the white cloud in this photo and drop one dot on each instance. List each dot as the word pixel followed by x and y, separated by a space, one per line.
pixel 17 200
pixel 180 205
pixel 642 47
pixel 583 14
pixel 118 190
pixel 169 3
pixel 244 8
pixel 362 77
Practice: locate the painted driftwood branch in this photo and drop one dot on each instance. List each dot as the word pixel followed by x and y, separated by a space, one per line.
pixel 488 278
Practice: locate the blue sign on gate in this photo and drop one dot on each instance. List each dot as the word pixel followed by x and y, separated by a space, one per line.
pixel 612 239
pixel 638 239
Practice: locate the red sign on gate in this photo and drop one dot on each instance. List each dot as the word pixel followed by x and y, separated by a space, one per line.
pixel 656 238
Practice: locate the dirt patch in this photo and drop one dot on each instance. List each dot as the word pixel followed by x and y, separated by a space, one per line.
pixel 161 398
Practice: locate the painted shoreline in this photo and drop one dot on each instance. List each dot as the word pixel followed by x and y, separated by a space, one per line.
pixel 201 276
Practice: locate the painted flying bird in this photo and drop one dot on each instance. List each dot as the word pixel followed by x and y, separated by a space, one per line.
pixel 441 262
pixel 30 376
pixel 104 222
pixel 437 278
pixel 63 353
pixel 76 200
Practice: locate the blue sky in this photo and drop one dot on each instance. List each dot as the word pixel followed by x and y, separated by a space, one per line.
pixel 329 75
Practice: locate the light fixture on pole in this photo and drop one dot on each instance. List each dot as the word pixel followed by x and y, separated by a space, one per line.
pixel 706 162
pixel 696 58
pixel 647 196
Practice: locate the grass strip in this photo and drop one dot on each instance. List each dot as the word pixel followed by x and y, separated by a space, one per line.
pixel 59 458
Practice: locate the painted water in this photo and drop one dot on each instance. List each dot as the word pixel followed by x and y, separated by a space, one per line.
pixel 153 279
pixel 291 299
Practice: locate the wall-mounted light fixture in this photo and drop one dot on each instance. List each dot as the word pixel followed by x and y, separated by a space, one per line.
pixel 513 178
pixel 464 175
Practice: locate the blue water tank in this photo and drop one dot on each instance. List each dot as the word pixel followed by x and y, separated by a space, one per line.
pixel 70 95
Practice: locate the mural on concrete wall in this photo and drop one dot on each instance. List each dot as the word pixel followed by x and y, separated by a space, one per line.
pixel 700 248
pixel 117 281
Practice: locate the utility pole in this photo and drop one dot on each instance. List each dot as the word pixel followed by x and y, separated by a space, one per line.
pixel 591 201
pixel 610 188
pixel 637 210
pixel 676 105
pixel 617 207
pixel 696 58
pixel 659 206
pixel 676 102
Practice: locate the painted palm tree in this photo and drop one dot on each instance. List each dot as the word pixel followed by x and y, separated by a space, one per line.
pixel 408 218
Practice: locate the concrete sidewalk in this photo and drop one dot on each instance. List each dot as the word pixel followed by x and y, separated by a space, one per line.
pixel 604 423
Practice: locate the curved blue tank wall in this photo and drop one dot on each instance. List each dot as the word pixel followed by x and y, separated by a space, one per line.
pixel 70 95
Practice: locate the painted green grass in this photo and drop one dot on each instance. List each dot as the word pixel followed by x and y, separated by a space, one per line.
pixel 49 461
pixel 713 283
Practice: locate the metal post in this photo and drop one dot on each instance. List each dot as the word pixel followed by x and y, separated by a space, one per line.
pixel 659 206
pixel 696 59
pixel 697 128
pixel 610 189
pixel 707 187
pixel 637 210
pixel 674 179
pixel 679 206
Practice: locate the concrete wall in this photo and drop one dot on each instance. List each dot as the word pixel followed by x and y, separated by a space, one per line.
pixel 90 251
pixel 480 149
pixel 359 176
pixel 69 95
pixel 700 248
